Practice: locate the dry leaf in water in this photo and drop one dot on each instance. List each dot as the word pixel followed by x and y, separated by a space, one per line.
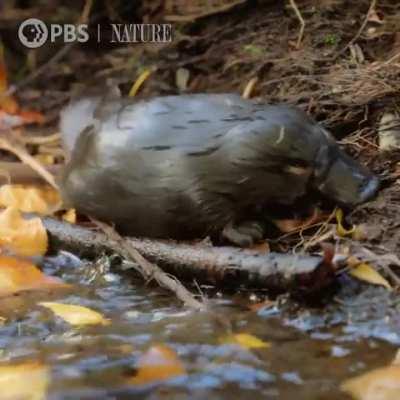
pixel 38 199
pixel 246 341
pixel 379 384
pixel 158 363
pixel 18 275
pixel 76 315
pixel 25 237
pixel 27 381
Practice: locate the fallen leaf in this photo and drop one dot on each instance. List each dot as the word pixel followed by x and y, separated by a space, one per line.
pixel 30 117
pixel 379 384
pixel 41 199
pixel 158 363
pixel 7 103
pixel 262 247
pixel 139 82
pixel 76 315
pixel 25 237
pixel 45 159
pixel 340 229
pixel 364 272
pixel 293 225
pixel 26 381
pixel 70 216
pixel 246 341
pixel 18 275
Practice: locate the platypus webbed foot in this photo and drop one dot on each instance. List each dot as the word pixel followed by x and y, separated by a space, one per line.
pixel 244 234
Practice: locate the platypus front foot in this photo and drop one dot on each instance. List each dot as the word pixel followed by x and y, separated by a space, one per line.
pixel 244 234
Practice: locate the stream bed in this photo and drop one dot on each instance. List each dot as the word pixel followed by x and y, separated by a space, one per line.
pixel 307 352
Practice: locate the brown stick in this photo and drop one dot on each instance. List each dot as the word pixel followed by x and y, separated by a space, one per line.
pixel 218 265
pixel 25 157
pixel 17 172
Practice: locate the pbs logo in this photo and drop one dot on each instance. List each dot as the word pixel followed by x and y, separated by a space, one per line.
pixel 33 33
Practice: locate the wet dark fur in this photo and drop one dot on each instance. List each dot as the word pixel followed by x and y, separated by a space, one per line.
pixel 185 166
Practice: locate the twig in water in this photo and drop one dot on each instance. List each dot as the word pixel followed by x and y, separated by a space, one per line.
pixel 151 271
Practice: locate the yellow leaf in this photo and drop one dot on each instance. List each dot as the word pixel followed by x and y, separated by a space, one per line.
pixel 246 341
pixel 70 216
pixel 341 230
pixel 46 159
pixel 76 315
pixel 25 237
pixel 379 384
pixel 158 363
pixel 39 199
pixel 19 275
pixel 27 381
pixel 364 272
pixel 139 82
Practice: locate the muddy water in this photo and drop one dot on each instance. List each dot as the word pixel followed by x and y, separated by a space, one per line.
pixel 311 350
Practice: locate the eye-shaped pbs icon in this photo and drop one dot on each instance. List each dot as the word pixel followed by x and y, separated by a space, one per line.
pixel 33 33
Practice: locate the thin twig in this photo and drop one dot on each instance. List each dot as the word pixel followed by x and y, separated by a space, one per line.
pixel 301 20
pixel 151 271
pixel 359 32
pixel 27 159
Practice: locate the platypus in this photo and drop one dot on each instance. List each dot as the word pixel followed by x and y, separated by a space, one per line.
pixel 188 166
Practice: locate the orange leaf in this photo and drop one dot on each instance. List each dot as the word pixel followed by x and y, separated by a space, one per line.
pixel 293 225
pixel 158 363
pixel 28 381
pixel 18 275
pixel 30 117
pixel 7 103
pixel 28 198
pixel 25 237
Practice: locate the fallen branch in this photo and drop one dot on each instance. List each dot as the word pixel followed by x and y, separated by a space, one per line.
pixel 228 266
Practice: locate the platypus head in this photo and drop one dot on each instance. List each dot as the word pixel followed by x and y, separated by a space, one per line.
pixel 342 179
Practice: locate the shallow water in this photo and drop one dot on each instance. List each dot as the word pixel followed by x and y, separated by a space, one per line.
pixel 312 350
